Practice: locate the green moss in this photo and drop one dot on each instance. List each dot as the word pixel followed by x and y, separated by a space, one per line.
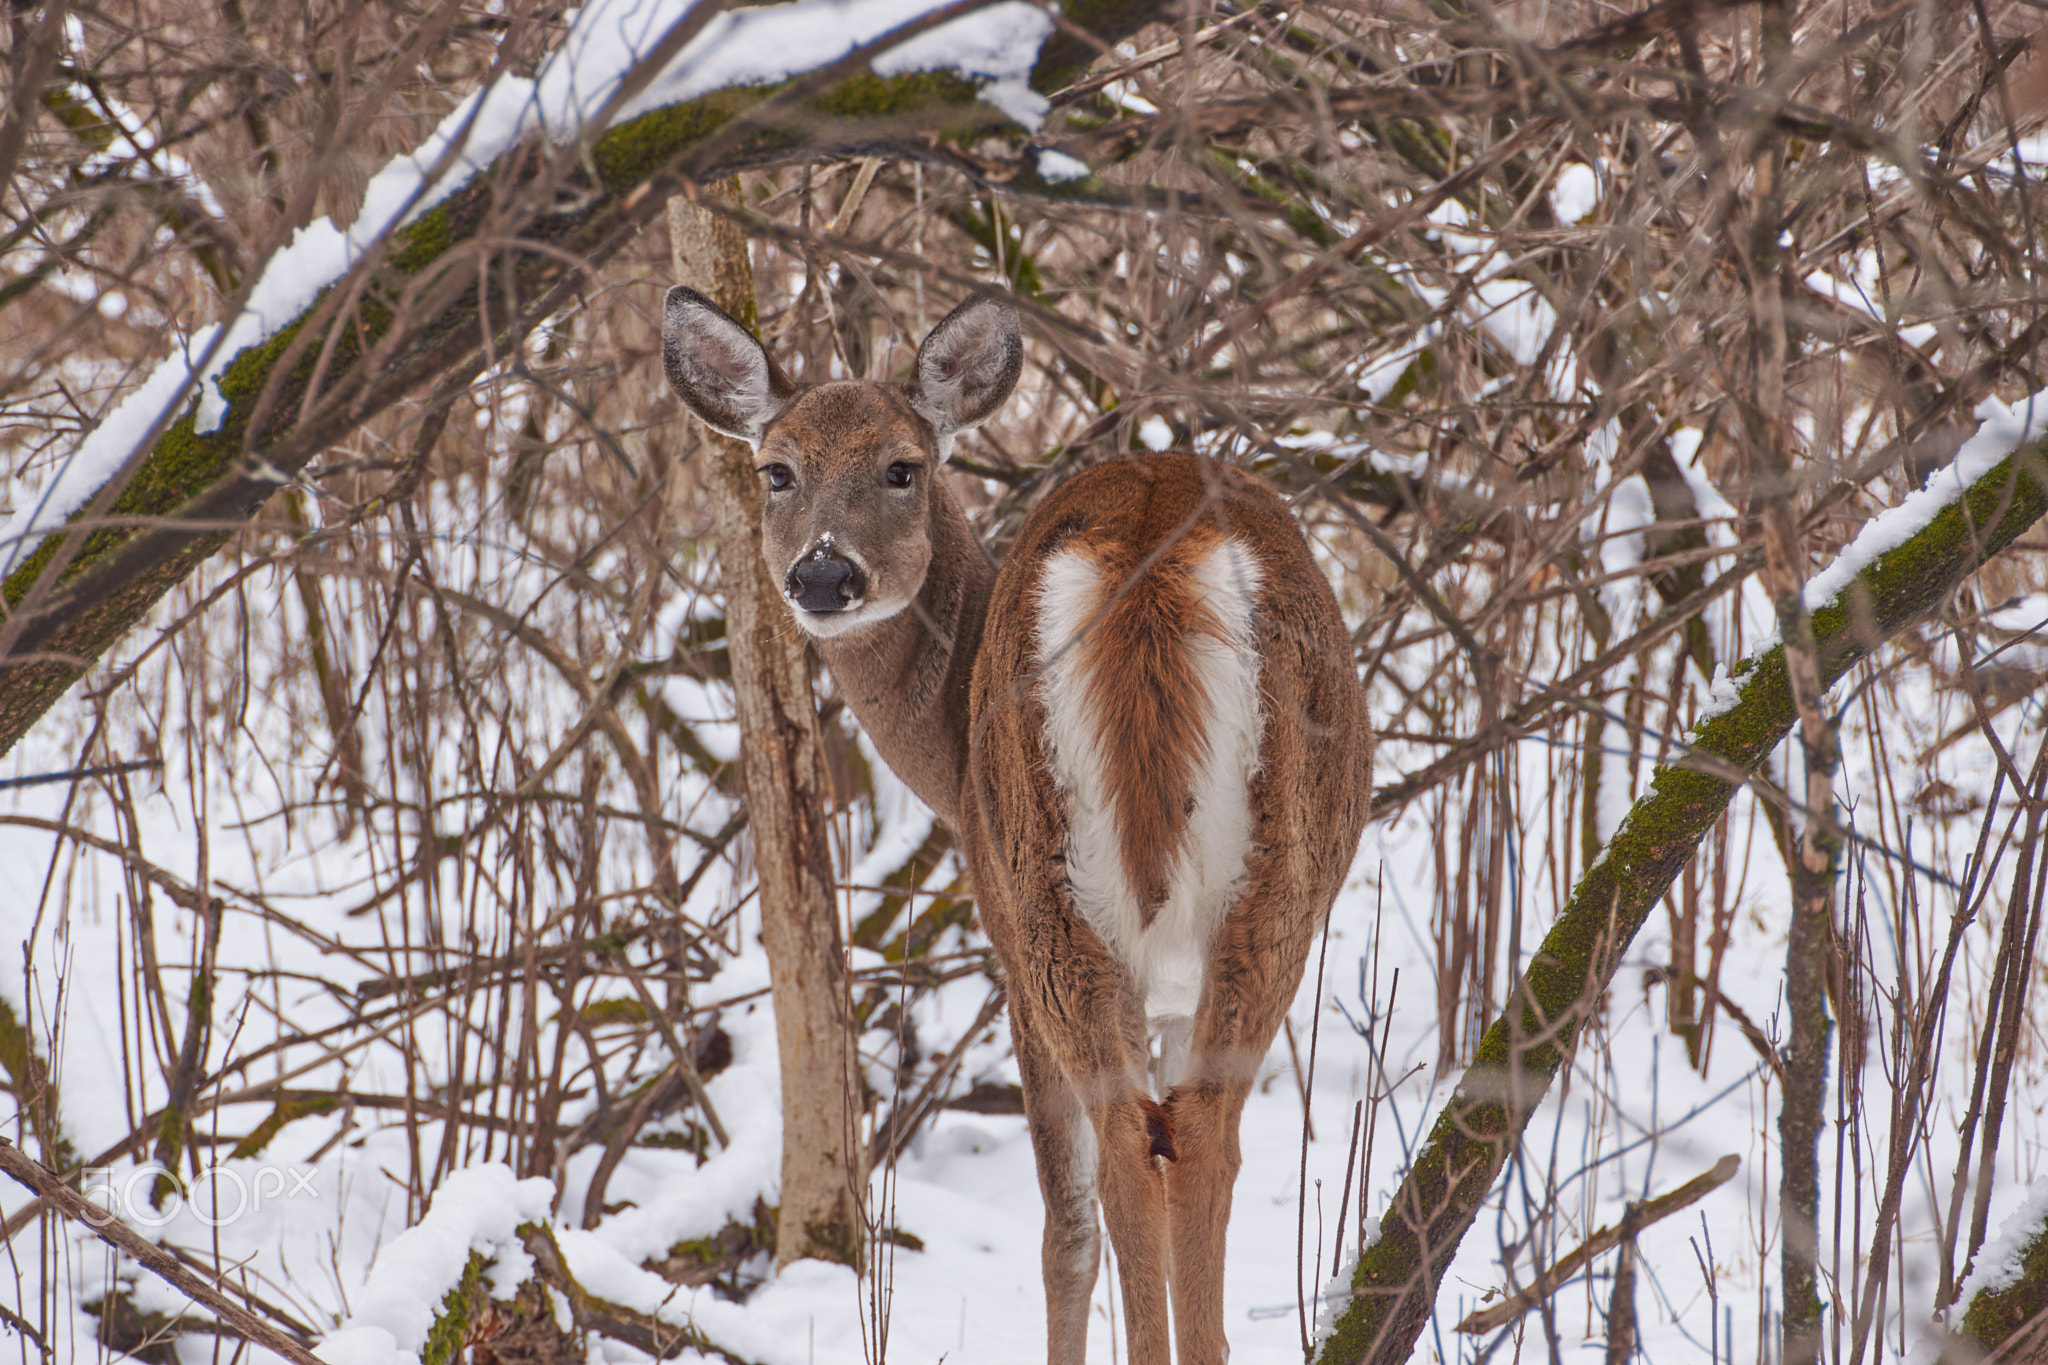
pixel 286 1112
pixel 944 912
pixel 692 1140
pixel 902 883
pixel 837 1240
pixel 424 240
pixel 867 95
pixel 864 111
pixel 599 1012
pixel 1003 240
pixel 730 1245
pixel 635 152
pixel 184 463
pixel 698 1250
pixel 28 1078
pixel 171 1135
pixel 1992 1317
pixel 459 1307
pixel 17 1054
pixel 1067 54
pixel 610 941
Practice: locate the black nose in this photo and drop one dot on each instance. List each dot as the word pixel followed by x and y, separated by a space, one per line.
pixel 827 581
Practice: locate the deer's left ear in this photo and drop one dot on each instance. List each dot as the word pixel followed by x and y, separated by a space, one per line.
pixel 967 367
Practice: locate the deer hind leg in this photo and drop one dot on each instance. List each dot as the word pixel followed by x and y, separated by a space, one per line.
pixel 1063 1143
pixel 1254 967
pixel 1198 1189
pixel 1093 1032
pixel 1136 1140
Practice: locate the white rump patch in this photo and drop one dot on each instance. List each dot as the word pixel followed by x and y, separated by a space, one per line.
pixel 1167 959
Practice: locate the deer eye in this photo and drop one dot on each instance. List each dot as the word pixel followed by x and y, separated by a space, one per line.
pixel 899 474
pixel 780 476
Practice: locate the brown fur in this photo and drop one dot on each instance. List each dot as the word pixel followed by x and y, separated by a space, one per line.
pixel 1159 1127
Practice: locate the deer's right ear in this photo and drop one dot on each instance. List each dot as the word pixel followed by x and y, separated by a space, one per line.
pixel 718 369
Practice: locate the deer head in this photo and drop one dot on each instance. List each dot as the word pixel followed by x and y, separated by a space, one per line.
pixel 846 467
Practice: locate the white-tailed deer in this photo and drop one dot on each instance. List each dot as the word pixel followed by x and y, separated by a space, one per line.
pixel 1160 770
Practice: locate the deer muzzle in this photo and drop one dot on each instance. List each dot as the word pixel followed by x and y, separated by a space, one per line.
pixel 825 581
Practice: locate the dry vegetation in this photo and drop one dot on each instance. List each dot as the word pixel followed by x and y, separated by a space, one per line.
pixel 1542 314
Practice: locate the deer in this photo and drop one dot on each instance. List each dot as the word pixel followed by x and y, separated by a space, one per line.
pixel 1147 733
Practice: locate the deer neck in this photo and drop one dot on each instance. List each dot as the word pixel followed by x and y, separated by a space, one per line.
pixel 907 678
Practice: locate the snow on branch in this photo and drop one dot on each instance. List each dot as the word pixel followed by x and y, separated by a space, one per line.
pixel 471 1229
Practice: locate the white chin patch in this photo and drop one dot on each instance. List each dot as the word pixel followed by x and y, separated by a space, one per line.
pixel 826 624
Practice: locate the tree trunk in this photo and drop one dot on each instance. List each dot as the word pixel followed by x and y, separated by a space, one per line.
pixel 1395 1283
pixel 782 757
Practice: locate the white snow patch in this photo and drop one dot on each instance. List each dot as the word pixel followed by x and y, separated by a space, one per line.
pixel 658 1210
pixel 1722 694
pixel 1613 800
pixel 105 449
pixel 1125 95
pixel 1618 524
pixel 1056 168
pixel 1377 379
pixel 1575 193
pixel 1719 513
pixel 1335 1295
pixel 1515 316
pixel 1999 1264
pixel 1628 511
pixel 1155 433
pixel 2028 617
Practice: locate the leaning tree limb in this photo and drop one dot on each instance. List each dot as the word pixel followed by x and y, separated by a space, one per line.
pixel 535 223
pixel 1394 1284
pixel 1566 1267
